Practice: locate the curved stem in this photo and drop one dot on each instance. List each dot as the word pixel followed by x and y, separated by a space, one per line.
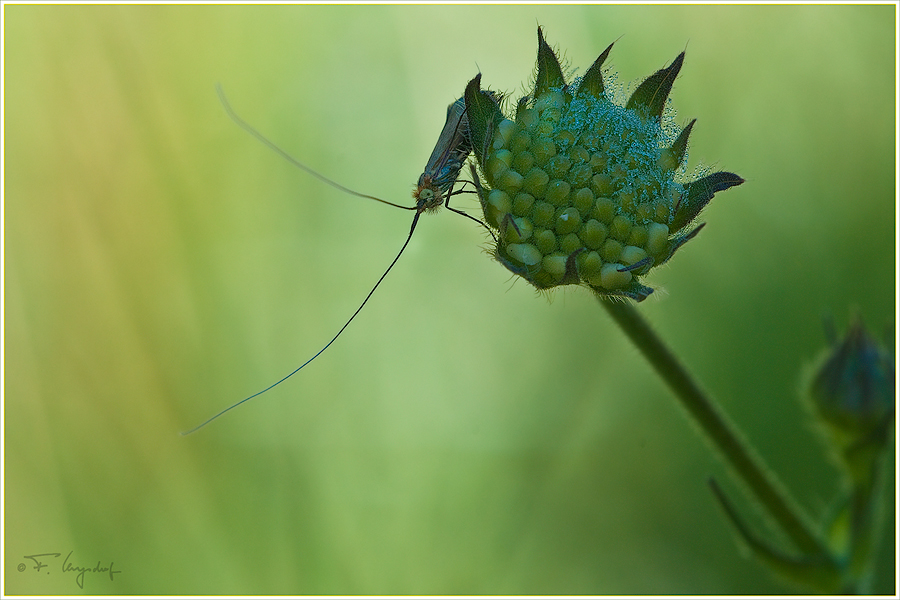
pixel 724 436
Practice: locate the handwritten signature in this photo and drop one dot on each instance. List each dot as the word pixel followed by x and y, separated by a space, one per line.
pixel 67 566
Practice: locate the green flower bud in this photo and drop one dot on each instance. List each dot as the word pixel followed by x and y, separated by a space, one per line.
pixel 555 264
pixel 568 221
pixel 543 214
pixel 559 165
pixel 519 144
pixel 612 278
pixel 589 264
pixel 611 250
pixel 638 236
pixel 570 243
pixel 580 155
pixel 543 149
pixel 583 200
pixel 518 230
pixel 602 184
pixel 536 182
pixel 545 240
pixel 558 192
pixel 632 255
pixel 604 210
pixel 524 253
pixel 500 201
pixel 593 234
pixel 596 182
pixel 523 162
pixel 620 228
pixel 657 237
pixel 510 181
pixel 852 392
pixel 580 175
pixel 505 131
pixel 498 204
pixel 522 204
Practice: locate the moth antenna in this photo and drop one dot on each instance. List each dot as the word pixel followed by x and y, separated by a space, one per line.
pixel 353 316
pixel 252 131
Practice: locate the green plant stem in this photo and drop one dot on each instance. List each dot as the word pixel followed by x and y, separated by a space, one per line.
pixel 866 516
pixel 724 436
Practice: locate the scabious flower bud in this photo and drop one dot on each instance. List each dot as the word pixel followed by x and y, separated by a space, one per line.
pixel 580 189
pixel 852 391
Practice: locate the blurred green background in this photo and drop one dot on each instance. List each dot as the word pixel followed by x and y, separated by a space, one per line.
pixel 465 435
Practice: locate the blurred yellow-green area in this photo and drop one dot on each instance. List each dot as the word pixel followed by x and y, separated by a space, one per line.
pixel 464 435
